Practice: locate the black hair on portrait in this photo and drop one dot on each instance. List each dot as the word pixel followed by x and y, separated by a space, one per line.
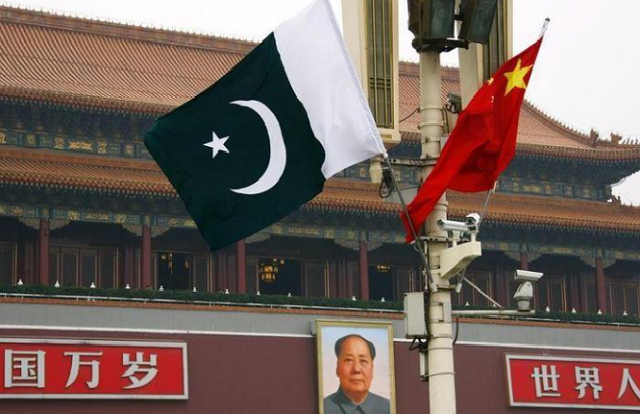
pixel 338 346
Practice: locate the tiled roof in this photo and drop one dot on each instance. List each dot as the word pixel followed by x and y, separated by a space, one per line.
pixel 79 61
pixel 57 170
pixel 507 209
pixel 534 127
pixel 537 133
pixel 44 168
pixel 549 212
pixel 50 58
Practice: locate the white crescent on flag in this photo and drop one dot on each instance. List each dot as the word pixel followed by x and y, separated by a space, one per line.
pixel 278 151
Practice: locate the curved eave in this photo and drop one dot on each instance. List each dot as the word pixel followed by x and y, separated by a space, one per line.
pixel 57 171
pixel 604 155
pixel 54 170
pixel 328 204
pixel 81 102
pixel 550 213
pixel 95 188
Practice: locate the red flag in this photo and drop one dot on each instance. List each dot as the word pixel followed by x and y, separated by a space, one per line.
pixel 483 141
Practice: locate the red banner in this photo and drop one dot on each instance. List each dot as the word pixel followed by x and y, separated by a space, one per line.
pixel 71 369
pixel 544 381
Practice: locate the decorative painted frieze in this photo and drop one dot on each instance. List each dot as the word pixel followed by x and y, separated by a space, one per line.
pixel 14 210
pixel 84 145
pixel 95 217
pixel 512 184
pixel 173 222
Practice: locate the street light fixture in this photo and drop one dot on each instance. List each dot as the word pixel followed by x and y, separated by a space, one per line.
pixel 432 23
pixel 477 19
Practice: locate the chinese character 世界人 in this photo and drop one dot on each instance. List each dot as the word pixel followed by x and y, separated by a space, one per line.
pixel 546 380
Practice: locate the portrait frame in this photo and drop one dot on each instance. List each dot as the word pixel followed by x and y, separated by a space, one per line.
pixel 380 334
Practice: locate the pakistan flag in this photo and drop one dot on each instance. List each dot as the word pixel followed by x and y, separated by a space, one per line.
pixel 263 139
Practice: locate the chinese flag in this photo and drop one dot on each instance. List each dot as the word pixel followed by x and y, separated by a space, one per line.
pixel 483 141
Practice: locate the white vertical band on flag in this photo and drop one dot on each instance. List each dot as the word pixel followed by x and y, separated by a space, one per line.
pixel 322 76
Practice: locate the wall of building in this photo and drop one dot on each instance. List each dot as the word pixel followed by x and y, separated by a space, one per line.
pixel 241 360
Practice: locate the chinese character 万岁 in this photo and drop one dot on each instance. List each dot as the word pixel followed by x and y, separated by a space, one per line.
pixel 148 368
pixel 77 362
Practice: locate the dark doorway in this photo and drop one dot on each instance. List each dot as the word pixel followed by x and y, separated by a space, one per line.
pixel 381 282
pixel 173 270
pixel 287 277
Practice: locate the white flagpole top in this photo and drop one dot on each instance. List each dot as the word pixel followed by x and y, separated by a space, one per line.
pixel 544 27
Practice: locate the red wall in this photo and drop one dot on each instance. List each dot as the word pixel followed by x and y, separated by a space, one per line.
pixel 234 374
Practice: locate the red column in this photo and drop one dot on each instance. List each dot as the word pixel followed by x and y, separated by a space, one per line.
pixel 145 259
pixel 128 267
pixel 502 286
pixel 342 278
pixel 43 252
pixel 28 271
pixel 215 284
pixel 241 266
pixel 364 271
pixel 349 277
pixel 524 261
pixel 601 290
pixel 574 292
pixel 219 277
pixel 224 270
pixel 584 304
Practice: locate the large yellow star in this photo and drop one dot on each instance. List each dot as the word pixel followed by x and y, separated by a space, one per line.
pixel 515 79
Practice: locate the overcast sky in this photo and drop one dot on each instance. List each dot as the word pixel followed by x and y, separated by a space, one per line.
pixel 585 75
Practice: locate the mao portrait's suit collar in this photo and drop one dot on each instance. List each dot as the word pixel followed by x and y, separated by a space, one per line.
pixel 348 406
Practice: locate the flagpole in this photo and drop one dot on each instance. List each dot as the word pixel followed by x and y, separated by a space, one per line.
pixel 544 27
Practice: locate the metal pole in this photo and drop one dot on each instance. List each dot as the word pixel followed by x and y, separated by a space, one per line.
pixel 442 397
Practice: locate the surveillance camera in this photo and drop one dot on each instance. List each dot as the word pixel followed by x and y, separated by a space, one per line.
pixel 472 221
pixel 450 225
pixel 524 296
pixel 527 276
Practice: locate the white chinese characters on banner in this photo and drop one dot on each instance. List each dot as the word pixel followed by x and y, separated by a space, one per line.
pixel 148 368
pixel 546 381
pixel 24 368
pixel 86 359
pixel 627 382
pixel 81 369
pixel 27 369
pixel 588 378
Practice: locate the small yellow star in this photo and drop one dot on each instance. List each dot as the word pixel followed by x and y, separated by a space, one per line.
pixel 515 79
pixel 490 81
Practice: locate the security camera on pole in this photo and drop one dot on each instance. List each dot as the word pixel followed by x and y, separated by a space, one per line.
pixel 432 23
pixel 479 148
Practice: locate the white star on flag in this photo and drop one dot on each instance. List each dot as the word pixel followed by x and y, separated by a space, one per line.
pixel 217 144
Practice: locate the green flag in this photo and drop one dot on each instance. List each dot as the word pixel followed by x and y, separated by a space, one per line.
pixel 262 140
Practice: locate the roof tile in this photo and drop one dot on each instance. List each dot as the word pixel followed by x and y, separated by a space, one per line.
pixel 46 57
pixel 55 169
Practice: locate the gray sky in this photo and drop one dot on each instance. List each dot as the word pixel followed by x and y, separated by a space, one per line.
pixel 584 76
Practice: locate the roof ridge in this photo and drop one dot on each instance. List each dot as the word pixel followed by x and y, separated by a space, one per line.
pixel 46 155
pixel 61 20
pixel 550 200
pixel 604 152
pixel 560 126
